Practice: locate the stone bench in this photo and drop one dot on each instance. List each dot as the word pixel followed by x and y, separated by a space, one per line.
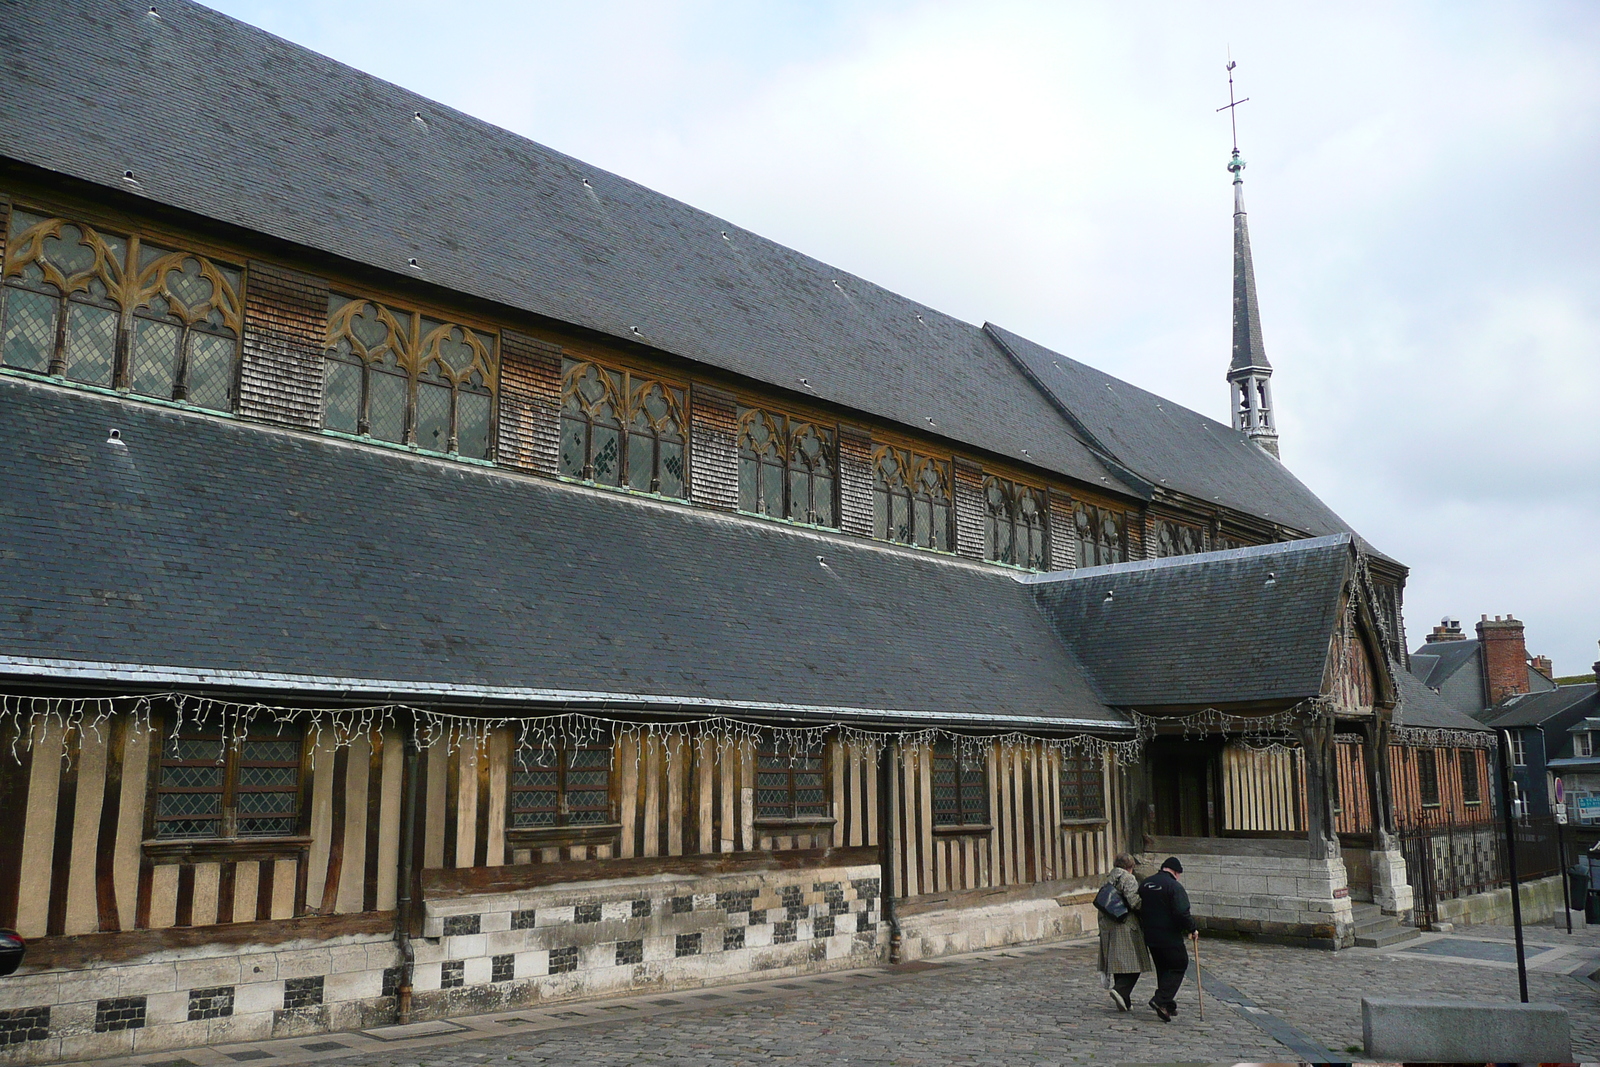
pixel 1465 1030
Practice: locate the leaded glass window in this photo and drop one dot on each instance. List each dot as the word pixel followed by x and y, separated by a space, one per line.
pixel 114 311
pixel 1178 539
pixel 1428 777
pixel 960 786
pixel 1471 788
pixel 403 377
pixel 622 430
pixel 789 784
pixel 560 785
pixel 1100 535
pixel 214 785
pixel 786 468
pixel 911 498
pixel 1016 524
pixel 1082 788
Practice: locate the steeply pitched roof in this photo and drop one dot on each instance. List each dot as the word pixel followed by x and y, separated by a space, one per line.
pixel 1170 446
pixel 1249 351
pixel 215 117
pixel 1438 660
pixel 1534 709
pixel 1422 708
pixel 228 551
pixel 219 118
pixel 1247 625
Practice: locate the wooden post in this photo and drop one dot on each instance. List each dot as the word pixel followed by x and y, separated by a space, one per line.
pixel 1316 736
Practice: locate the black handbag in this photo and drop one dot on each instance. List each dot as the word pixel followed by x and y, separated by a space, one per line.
pixel 1110 902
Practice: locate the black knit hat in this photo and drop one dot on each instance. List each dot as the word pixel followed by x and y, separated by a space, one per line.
pixel 1171 864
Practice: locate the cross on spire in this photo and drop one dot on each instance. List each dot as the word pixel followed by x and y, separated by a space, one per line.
pixel 1233 116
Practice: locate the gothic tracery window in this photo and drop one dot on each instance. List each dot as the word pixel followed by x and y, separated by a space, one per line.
pixel 1177 539
pixel 622 430
pixel 1015 524
pixel 786 467
pixel 1101 533
pixel 119 312
pixel 402 377
pixel 911 498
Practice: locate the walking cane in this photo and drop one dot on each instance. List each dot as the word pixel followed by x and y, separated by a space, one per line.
pixel 1199 987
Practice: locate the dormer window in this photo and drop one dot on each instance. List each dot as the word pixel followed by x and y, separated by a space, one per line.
pixel 1583 744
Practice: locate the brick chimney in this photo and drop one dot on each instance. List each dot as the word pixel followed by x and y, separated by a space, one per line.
pixel 1543 665
pixel 1448 630
pixel 1505 657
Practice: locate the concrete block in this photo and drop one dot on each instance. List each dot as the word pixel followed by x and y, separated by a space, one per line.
pixel 257 997
pixel 129 981
pixel 166 1008
pixel 30 990
pixel 1454 1031
pixel 303 963
pixel 491 921
pixel 344 958
pixel 257 1026
pixel 477 971
pixel 353 985
pixel 207 972
pixel 464 946
pixel 258 967
pixel 533 964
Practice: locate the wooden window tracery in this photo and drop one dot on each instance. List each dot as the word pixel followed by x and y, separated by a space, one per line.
pixel 790 785
pixel 1016 524
pixel 787 468
pixel 560 785
pixel 1101 533
pixel 621 430
pixel 212 785
pixel 1177 539
pixel 119 312
pixel 911 498
pixel 1082 788
pixel 402 377
pixel 960 786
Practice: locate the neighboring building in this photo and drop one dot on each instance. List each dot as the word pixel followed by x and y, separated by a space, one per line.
pixel 440 575
pixel 1553 735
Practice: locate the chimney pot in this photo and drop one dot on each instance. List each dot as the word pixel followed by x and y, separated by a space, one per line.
pixel 1505 657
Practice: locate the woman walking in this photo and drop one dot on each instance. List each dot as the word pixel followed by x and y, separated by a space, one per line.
pixel 1123 955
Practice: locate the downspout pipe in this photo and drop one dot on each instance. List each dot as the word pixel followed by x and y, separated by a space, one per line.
pixel 887 753
pixel 403 905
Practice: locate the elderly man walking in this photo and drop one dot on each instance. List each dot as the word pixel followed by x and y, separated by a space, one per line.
pixel 1167 924
pixel 1123 955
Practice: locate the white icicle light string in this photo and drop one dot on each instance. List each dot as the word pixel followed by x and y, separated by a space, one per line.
pixel 31 717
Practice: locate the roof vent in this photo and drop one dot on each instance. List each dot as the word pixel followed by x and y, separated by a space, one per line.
pixel 1272 578
pixel 115 438
pixel 127 176
pixel 1110 595
pixel 413 264
pixel 153 13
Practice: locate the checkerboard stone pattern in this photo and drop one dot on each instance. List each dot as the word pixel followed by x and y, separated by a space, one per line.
pixel 660 932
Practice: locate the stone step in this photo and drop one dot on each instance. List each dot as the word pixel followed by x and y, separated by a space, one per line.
pixel 1385 938
pixel 1368 923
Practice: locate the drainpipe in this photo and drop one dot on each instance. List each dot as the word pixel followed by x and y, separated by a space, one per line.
pixel 886 794
pixel 402 917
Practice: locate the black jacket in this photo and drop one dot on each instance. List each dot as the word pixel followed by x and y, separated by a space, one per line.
pixel 1164 913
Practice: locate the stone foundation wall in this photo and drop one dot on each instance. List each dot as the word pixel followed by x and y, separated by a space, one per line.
pixel 950 931
pixel 479 953
pixel 1540 900
pixel 1265 896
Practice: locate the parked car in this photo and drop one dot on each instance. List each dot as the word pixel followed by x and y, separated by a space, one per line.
pixel 12 949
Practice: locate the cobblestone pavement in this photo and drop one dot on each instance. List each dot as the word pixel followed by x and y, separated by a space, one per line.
pixel 1042 1005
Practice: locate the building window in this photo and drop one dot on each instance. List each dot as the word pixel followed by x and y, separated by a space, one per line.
pixel 1082 788
pixel 960 786
pixel 1583 744
pixel 1176 539
pixel 115 311
pixel 786 468
pixel 1016 524
pixel 403 377
pixel 1101 533
pixel 1519 752
pixel 211 785
pixel 1428 777
pixel 1467 761
pixel 621 430
pixel 560 785
pixel 911 498
pixel 789 785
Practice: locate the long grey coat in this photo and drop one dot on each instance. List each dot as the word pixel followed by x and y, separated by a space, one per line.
pixel 1122 948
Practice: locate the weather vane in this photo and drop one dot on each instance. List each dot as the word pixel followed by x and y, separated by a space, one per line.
pixel 1236 164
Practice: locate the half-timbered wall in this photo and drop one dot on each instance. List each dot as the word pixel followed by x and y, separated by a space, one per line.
pixel 1263 791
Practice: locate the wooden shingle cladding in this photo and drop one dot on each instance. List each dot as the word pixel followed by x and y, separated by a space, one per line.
pixel 285 325
pixel 91 865
pixel 530 403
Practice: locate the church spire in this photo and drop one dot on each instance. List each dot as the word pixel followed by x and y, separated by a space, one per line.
pixel 1249 373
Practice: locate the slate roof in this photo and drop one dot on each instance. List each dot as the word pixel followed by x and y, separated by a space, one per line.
pixel 1422 708
pixel 1249 351
pixel 1533 709
pixel 1170 446
pixel 225 550
pixel 215 117
pixel 1204 629
pixel 1438 660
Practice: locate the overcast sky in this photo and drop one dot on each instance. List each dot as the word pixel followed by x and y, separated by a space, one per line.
pixel 1421 185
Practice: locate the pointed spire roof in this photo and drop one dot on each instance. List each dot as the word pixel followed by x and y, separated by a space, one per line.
pixel 1249 353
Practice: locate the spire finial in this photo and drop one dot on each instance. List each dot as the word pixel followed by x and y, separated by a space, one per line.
pixel 1235 165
